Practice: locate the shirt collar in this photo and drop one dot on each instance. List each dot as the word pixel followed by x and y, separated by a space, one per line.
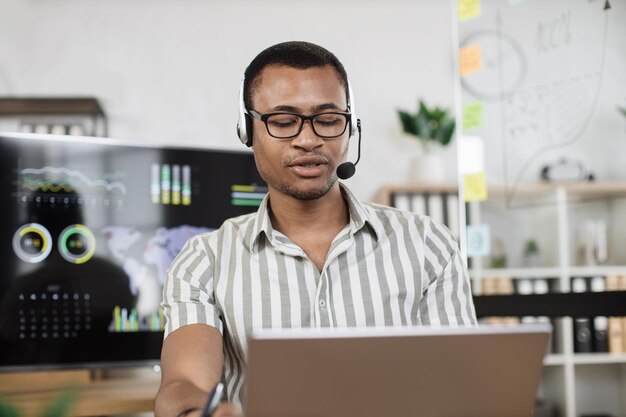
pixel 359 217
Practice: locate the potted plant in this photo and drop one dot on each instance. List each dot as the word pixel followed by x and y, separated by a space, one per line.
pixel 60 406
pixel 498 256
pixel 531 253
pixel 433 128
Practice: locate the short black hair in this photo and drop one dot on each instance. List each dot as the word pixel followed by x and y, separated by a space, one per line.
pixel 295 54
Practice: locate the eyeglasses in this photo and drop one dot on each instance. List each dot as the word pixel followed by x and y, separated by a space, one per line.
pixel 289 125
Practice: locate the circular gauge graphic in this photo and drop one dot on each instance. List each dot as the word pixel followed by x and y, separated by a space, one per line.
pixel 77 244
pixel 504 66
pixel 32 243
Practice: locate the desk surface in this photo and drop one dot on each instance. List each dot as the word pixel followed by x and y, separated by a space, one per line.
pixel 96 398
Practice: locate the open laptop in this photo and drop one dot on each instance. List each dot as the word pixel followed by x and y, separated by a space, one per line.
pixel 400 372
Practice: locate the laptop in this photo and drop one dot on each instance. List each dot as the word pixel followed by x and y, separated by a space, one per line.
pixel 483 371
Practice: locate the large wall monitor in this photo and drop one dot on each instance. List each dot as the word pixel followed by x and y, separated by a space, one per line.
pixel 88 229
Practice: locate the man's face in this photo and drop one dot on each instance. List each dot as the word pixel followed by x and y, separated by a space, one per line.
pixel 302 167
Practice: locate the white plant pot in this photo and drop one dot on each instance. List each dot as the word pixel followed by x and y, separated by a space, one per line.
pixel 428 168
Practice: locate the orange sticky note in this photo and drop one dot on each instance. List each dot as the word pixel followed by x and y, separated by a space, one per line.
pixel 468 9
pixel 470 59
pixel 474 187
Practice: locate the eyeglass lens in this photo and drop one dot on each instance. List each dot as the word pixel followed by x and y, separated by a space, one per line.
pixel 327 125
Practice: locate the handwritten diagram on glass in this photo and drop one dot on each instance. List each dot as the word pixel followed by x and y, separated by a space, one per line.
pixel 552 75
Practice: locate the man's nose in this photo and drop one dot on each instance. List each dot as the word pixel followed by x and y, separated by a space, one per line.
pixel 307 139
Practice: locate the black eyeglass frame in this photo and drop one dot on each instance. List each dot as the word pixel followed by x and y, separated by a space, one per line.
pixel 264 117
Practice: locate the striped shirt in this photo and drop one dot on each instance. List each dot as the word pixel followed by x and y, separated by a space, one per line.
pixel 387 267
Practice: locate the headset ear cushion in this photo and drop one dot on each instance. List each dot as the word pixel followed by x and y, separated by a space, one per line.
pixel 248 123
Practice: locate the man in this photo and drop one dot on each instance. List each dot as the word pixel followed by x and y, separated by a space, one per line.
pixel 312 256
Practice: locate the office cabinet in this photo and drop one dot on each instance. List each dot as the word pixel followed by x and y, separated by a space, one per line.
pixel 553 216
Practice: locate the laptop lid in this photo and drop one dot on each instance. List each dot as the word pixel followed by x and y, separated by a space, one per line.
pixel 417 371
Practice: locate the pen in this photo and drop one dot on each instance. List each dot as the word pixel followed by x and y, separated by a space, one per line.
pixel 214 400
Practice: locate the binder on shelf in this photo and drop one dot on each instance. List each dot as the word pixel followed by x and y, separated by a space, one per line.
pixel 418 204
pixel 402 202
pixel 525 287
pixel 600 323
pixel 489 287
pixel 499 286
pixel 583 335
pixel 76 130
pixel 615 324
pixel 58 129
pixel 541 286
pixel 622 287
pixel 45 112
pixel 504 286
pixel 27 128
pixel 441 204
pixel 436 208
pixel 453 215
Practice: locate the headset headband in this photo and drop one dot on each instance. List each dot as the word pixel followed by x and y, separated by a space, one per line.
pixel 244 124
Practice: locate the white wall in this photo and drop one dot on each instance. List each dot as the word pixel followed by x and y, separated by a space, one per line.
pixel 169 70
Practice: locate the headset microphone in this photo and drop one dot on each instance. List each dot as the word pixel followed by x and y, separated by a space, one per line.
pixel 347 169
pixel 244 130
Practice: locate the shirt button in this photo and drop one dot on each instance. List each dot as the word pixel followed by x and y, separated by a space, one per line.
pixel 322 304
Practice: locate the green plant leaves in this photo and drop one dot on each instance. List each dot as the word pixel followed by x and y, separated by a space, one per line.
pixel 62 405
pixel 446 130
pixel 423 128
pixel 7 410
pixel 429 125
pixel 409 124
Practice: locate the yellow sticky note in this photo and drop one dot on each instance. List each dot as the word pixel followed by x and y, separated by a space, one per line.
pixel 472 115
pixel 468 9
pixel 475 187
pixel 470 59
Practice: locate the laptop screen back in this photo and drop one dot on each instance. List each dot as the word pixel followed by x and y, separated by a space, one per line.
pixel 427 372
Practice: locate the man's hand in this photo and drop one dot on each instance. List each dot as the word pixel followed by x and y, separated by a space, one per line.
pixel 191 365
pixel 228 410
pixel 222 410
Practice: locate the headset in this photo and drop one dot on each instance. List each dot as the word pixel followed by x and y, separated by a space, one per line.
pixel 244 124
pixel 244 130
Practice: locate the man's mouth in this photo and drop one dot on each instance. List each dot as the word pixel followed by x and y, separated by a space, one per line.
pixel 309 161
pixel 308 166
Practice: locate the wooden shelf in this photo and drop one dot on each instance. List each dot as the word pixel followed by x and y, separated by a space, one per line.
pixel 383 195
pixel 555 359
pixel 21 106
pixel 584 304
pixel 589 271
pixel 598 358
pixel 40 380
pixel 548 272
pixel 516 273
pixel 591 189
pixel 595 189
pixel 560 359
pixel 46 107
pixel 566 369
pixel 94 398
